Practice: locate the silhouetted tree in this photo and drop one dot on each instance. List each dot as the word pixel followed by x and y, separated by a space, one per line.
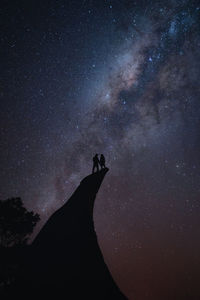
pixel 16 223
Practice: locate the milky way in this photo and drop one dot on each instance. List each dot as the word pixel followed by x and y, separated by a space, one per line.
pixel 119 78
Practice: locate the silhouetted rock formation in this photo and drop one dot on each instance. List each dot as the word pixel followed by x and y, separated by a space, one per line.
pixel 65 258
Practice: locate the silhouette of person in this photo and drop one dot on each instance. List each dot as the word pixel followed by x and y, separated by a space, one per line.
pixel 95 163
pixel 102 161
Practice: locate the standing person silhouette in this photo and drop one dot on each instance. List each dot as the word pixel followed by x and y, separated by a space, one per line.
pixel 102 161
pixel 95 163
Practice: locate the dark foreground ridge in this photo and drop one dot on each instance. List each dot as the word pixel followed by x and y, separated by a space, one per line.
pixel 65 259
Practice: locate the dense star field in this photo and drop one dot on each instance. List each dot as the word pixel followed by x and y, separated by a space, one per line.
pixel 119 78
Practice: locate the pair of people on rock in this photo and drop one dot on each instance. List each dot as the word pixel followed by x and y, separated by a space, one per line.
pixel 97 162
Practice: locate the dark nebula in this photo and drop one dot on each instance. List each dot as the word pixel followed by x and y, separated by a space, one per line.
pixel 119 78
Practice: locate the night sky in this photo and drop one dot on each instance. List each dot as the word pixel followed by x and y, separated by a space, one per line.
pixel 119 78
